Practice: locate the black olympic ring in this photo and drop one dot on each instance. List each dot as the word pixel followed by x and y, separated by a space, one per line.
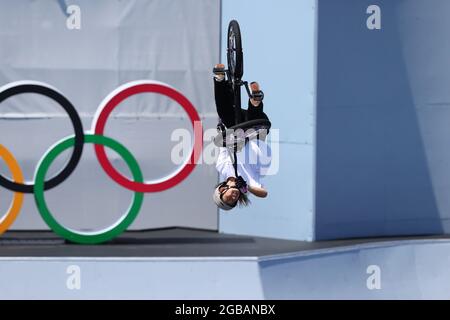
pixel 40 88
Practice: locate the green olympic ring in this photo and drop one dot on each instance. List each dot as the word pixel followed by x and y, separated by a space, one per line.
pixel 96 236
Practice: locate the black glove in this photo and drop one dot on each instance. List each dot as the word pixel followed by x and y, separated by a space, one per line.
pixel 241 184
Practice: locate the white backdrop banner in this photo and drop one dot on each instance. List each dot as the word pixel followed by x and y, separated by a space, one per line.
pixel 87 49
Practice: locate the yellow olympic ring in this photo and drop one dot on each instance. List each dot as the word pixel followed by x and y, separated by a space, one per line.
pixel 17 176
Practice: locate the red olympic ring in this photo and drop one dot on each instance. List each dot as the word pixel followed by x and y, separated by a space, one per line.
pixel 147 86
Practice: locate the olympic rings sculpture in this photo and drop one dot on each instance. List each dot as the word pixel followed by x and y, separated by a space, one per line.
pixel 96 137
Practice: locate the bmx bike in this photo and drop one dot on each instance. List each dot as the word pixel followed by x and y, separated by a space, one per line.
pixel 235 137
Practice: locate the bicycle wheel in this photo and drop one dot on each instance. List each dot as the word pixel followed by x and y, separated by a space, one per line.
pixel 257 124
pixel 236 136
pixel 234 51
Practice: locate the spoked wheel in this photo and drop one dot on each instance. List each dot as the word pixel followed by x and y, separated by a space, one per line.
pixel 235 65
pixel 235 137
pixel 234 52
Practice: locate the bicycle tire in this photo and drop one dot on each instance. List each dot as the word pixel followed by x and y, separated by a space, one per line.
pixel 257 124
pixel 251 124
pixel 234 51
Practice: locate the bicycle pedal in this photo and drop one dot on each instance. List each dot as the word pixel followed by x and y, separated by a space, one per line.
pixel 219 71
pixel 257 95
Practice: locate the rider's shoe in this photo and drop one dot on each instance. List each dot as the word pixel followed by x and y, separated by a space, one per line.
pixel 219 71
pixel 257 95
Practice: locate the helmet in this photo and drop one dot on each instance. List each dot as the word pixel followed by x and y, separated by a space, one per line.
pixel 218 200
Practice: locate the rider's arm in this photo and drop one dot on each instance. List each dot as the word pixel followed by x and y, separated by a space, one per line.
pixel 224 165
pixel 257 191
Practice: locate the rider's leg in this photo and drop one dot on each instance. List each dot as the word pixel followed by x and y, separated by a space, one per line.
pixel 255 108
pixel 224 100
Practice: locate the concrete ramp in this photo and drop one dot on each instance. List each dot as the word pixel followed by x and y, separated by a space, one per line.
pixel 193 264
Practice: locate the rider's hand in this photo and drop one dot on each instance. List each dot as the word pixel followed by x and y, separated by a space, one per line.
pixel 241 184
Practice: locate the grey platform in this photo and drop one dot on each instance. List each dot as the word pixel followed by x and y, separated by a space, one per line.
pixel 195 264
